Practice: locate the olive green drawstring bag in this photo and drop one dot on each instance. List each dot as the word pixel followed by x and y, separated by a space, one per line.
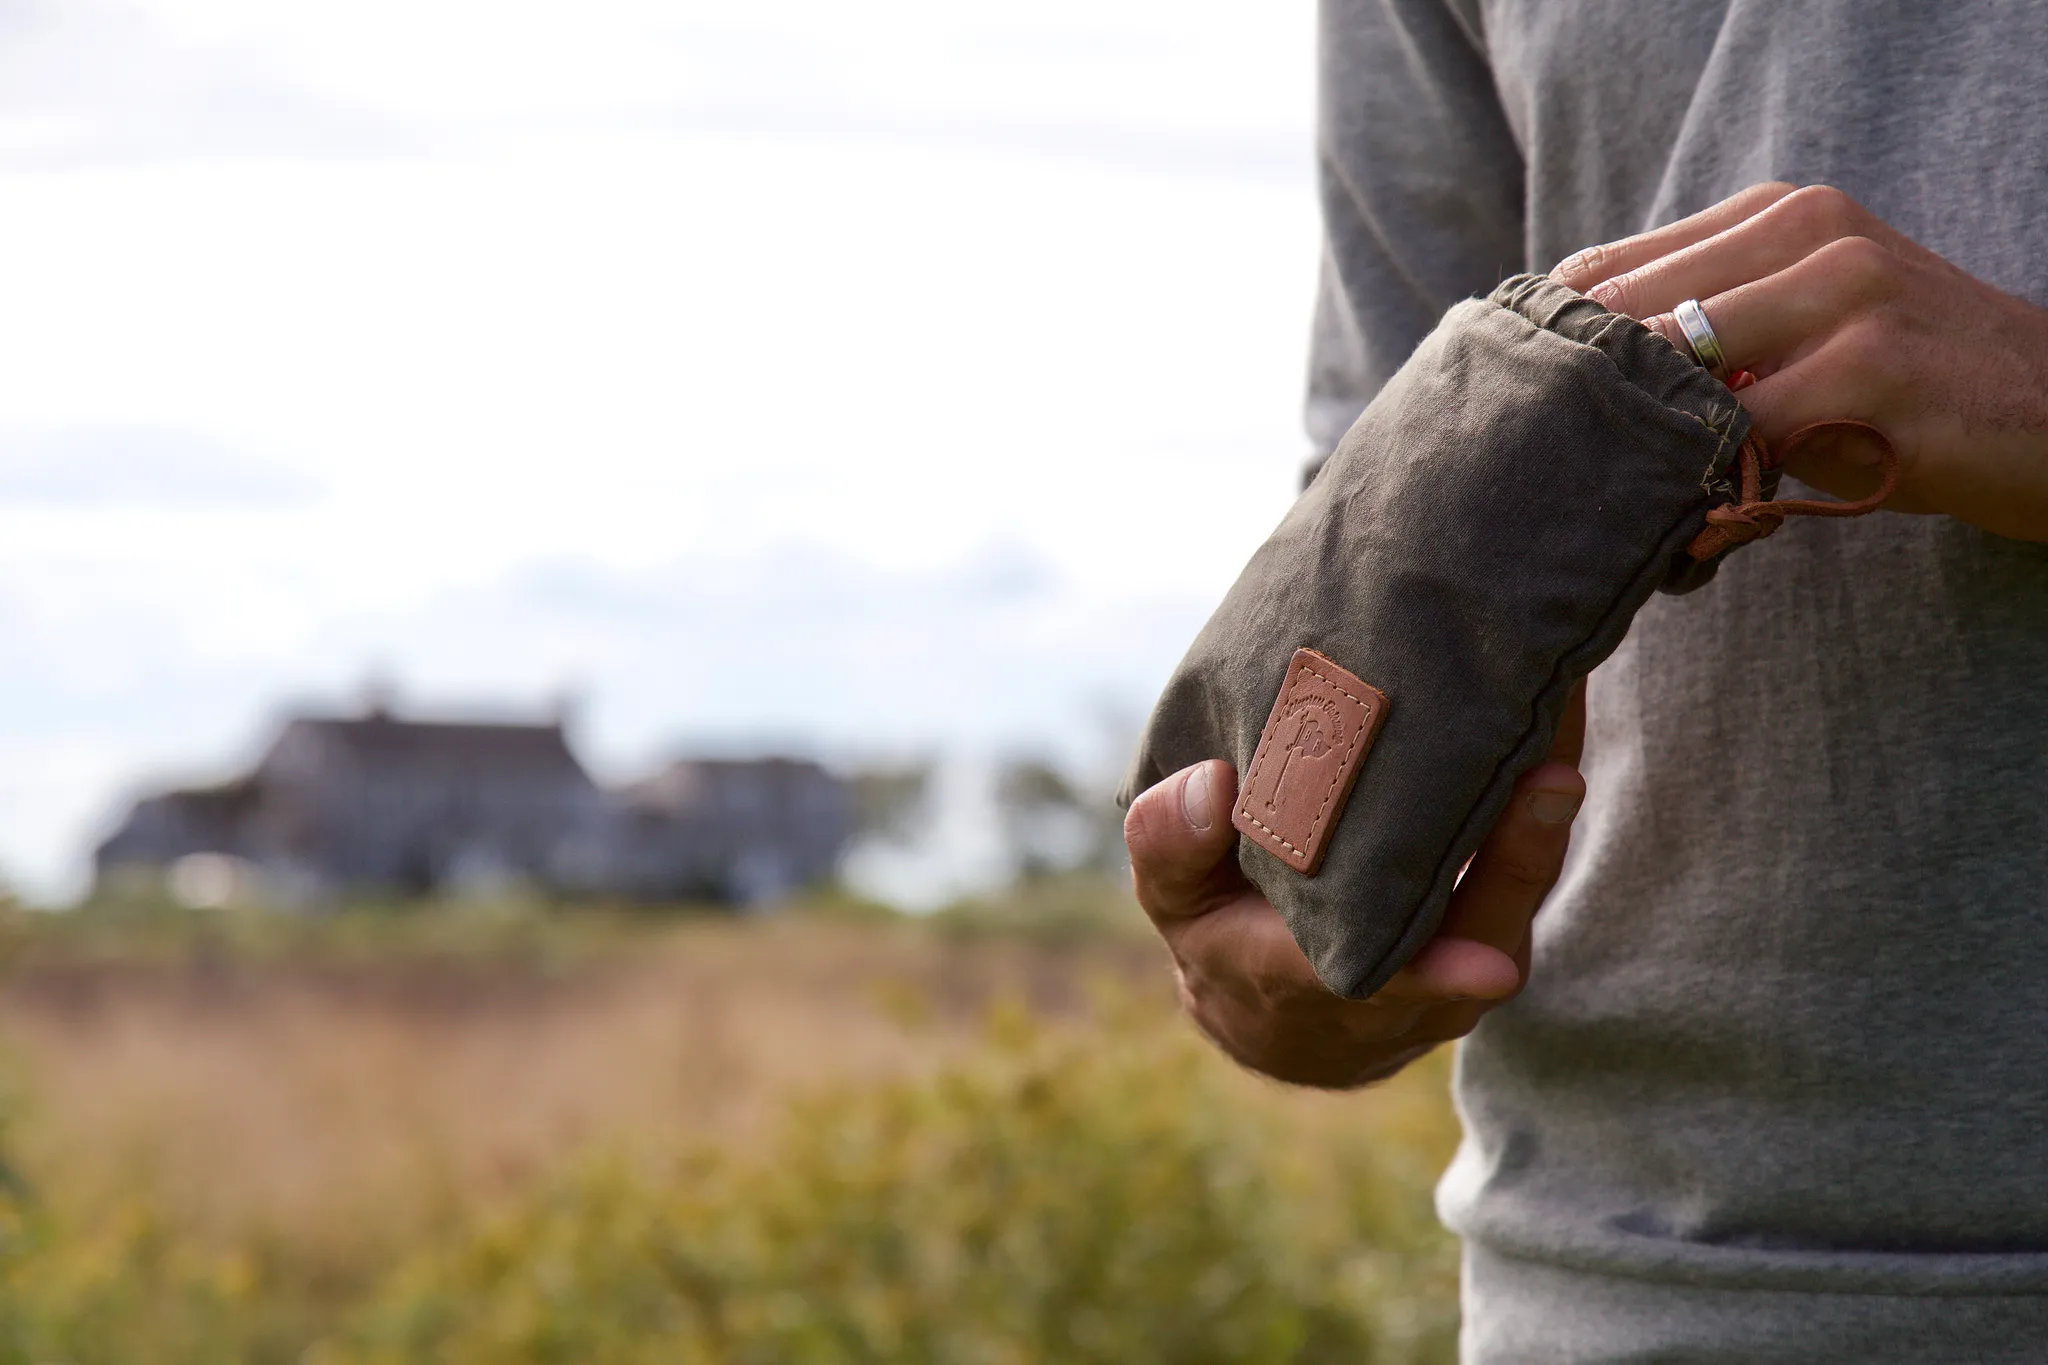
pixel 1401 649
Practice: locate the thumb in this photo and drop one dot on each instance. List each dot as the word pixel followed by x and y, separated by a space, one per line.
pixel 1179 835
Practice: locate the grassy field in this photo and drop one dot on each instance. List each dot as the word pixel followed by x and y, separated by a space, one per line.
pixel 823 1136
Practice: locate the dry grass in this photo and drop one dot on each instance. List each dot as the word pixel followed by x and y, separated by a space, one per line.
pixel 346 1105
pixel 285 1112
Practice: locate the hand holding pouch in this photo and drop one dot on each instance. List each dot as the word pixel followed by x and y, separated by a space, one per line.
pixel 1402 648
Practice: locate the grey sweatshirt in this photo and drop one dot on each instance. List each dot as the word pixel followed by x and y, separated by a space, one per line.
pixel 1778 1089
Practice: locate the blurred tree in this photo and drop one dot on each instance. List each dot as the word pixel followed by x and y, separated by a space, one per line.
pixel 1052 824
pixel 891 802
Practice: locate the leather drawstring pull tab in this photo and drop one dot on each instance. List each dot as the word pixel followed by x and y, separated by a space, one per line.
pixel 1756 516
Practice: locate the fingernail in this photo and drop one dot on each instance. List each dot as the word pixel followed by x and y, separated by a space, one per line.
pixel 1196 803
pixel 1553 808
pixel 1604 294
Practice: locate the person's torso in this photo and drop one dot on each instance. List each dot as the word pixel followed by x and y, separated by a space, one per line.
pixel 1787 1026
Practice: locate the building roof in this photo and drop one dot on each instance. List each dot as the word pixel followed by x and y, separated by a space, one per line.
pixel 691 784
pixel 383 741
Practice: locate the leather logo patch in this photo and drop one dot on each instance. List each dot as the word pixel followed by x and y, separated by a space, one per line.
pixel 1322 726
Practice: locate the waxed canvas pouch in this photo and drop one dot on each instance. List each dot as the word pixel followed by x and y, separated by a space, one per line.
pixel 1403 646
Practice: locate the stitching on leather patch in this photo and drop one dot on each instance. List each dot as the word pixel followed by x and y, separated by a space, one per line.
pixel 1322 726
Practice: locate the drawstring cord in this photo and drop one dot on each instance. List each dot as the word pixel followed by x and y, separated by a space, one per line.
pixel 1756 516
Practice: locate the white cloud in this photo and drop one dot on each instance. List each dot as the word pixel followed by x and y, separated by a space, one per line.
pixel 505 346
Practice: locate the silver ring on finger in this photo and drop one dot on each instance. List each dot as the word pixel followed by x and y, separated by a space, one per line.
pixel 1699 334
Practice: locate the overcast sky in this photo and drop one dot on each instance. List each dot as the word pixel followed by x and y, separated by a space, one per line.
pixel 859 378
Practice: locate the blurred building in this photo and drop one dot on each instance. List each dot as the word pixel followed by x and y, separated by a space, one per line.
pixel 743 830
pixel 376 804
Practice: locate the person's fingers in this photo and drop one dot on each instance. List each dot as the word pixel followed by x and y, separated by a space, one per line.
pixel 1243 946
pixel 1449 969
pixel 1240 946
pixel 1245 950
pixel 1480 951
pixel 1180 836
pixel 1179 842
pixel 1595 264
pixel 1518 863
pixel 1770 323
pixel 1780 236
pixel 1825 386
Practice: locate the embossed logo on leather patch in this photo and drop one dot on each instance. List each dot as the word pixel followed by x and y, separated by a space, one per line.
pixel 1322 726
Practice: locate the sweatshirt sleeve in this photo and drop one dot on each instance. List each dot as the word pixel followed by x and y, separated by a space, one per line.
pixel 1421 183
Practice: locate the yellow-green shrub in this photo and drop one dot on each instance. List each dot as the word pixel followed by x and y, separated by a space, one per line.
pixel 1117 1195
pixel 133 1290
